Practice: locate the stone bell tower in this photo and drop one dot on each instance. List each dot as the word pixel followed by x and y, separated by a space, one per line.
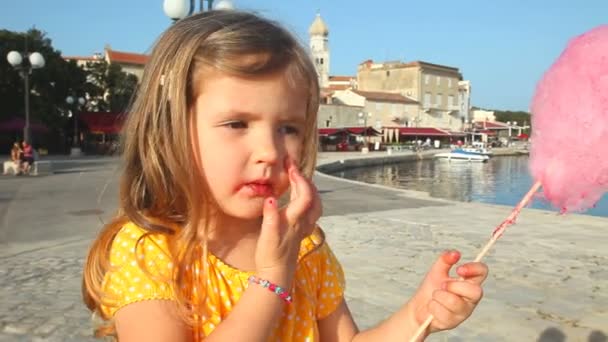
pixel 319 47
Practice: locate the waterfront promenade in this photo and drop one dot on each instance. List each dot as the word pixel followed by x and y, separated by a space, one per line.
pixel 547 274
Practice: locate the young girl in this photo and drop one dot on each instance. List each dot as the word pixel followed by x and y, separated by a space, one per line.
pixel 223 126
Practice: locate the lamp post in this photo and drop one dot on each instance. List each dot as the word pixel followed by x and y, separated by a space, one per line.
pixel 76 103
pixel 363 121
pixel 35 60
pixel 179 9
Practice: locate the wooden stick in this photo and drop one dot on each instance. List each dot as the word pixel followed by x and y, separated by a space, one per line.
pixel 495 236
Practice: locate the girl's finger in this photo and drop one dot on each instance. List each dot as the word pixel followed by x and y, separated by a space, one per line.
pixel 309 221
pixel 469 292
pixel 473 272
pixel 301 201
pixel 270 222
pixel 441 267
pixel 455 304
pixel 290 165
pixel 442 317
pixel 317 206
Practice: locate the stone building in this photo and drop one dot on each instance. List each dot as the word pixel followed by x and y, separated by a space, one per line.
pixel 131 63
pixel 439 90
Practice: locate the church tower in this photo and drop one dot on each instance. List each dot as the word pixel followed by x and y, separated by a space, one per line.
pixel 319 47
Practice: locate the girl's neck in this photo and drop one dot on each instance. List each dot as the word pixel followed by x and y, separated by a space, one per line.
pixel 229 236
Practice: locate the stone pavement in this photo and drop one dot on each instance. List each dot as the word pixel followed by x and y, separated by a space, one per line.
pixel 547 271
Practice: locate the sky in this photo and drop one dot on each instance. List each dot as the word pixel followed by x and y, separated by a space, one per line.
pixel 502 47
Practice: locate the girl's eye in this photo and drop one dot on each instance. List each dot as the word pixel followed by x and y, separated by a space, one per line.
pixel 235 124
pixel 287 129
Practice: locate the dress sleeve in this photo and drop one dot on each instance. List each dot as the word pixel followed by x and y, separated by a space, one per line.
pixel 139 270
pixel 331 283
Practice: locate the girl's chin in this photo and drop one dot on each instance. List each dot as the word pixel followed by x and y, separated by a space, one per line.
pixel 249 211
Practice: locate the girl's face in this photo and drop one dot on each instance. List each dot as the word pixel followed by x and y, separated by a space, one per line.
pixel 244 131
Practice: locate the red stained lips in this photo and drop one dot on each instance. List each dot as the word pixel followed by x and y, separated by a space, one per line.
pixel 259 189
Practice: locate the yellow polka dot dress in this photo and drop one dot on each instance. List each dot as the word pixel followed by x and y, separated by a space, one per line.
pixel 318 286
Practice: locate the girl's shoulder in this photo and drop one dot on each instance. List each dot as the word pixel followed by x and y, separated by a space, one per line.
pixel 140 269
pixel 133 244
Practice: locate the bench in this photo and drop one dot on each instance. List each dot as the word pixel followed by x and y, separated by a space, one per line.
pixel 39 168
pixel 42 168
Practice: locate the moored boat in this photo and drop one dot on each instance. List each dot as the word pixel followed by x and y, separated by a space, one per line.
pixel 461 155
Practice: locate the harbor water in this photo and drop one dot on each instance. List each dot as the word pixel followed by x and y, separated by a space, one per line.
pixel 501 180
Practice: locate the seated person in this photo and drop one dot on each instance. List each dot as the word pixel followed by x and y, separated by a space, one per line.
pixel 28 157
pixel 15 163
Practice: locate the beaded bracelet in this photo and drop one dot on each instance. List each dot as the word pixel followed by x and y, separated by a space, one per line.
pixel 281 292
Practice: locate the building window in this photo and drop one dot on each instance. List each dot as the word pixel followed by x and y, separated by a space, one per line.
pixel 439 99
pixel 426 79
pixel 378 105
pixel 449 83
pixel 438 80
pixel 321 61
pixel 451 100
pixel 388 73
pixel 427 100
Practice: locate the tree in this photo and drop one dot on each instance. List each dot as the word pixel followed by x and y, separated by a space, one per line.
pixel 108 87
pixel 49 86
pixel 522 118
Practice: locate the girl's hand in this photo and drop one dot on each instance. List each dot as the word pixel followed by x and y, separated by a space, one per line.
pixel 283 230
pixel 449 300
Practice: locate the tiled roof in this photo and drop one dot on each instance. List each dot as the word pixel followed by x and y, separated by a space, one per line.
pixel 422 64
pixel 491 125
pixel 392 65
pixel 81 58
pixel 342 78
pixel 423 131
pixel 384 97
pixel 333 87
pixel 126 57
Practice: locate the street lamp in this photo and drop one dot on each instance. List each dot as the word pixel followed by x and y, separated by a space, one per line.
pixel 35 61
pixel 363 121
pixel 179 9
pixel 76 102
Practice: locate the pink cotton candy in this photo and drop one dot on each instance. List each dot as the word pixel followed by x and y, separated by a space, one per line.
pixel 569 152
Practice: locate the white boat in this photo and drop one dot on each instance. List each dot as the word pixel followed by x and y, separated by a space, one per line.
pixel 477 150
pixel 461 155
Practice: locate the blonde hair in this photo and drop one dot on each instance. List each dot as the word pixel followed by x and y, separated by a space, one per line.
pixel 156 190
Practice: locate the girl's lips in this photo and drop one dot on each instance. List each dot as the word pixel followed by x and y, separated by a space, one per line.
pixel 259 189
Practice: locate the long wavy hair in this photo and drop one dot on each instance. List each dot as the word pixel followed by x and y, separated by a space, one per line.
pixel 159 191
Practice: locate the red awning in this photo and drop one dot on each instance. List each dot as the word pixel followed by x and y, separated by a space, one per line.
pixel 16 124
pixel 423 132
pixel 102 122
pixel 523 136
pixel 458 134
pixel 370 131
pixel 487 131
pixel 329 131
pixel 363 130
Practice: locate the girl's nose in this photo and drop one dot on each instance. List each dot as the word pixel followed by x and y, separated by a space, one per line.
pixel 267 149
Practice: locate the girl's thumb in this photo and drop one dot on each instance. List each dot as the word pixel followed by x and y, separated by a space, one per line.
pixel 270 220
pixel 445 261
